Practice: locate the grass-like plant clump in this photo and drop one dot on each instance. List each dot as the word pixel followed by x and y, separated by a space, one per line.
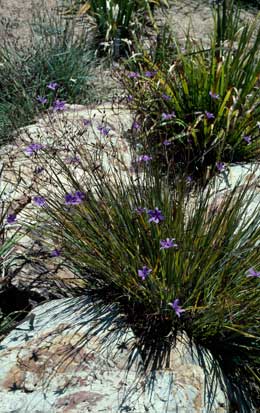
pixel 169 257
pixel 56 61
pixel 118 22
pixel 198 105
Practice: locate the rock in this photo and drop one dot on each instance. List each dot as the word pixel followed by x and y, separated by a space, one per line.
pixel 92 133
pixel 72 355
pixel 240 176
pixel 196 18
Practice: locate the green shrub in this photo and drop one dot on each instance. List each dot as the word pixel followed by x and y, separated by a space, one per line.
pixel 167 256
pixel 56 53
pixel 198 106
pixel 118 21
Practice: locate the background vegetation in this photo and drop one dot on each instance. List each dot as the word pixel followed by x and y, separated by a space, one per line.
pixel 55 53
pixel 197 104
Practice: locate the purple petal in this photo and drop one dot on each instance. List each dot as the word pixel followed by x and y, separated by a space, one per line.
pixel 168 243
pixel 11 219
pixel 209 115
pixel 144 272
pixel 140 210
pixel 166 142
pixel 168 116
pixel 166 97
pixel 145 158
pixel 213 95
pixel 53 85
pixel 220 166
pixel 58 105
pixel 39 200
pixel 247 139
pixel 41 99
pixel 133 75
pixel 253 273
pixel 175 306
pixel 55 253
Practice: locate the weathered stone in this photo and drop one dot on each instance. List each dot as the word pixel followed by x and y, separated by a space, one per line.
pixel 238 176
pixel 73 355
pixel 64 133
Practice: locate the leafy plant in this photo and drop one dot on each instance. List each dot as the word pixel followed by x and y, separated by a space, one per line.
pixel 200 106
pixel 118 21
pixel 227 19
pixel 56 53
pixel 169 257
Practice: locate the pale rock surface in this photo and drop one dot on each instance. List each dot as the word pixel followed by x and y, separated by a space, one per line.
pixel 65 134
pixel 239 176
pixel 73 356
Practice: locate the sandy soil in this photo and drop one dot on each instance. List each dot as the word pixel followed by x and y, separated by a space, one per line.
pixel 16 14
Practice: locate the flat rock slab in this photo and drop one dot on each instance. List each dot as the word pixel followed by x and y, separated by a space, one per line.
pixel 239 176
pixel 73 356
pixel 97 133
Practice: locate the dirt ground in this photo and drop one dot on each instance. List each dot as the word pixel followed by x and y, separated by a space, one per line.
pixel 16 14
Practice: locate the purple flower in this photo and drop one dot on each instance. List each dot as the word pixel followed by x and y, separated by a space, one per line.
pixel 167 243
pixel 213 95
pixel 144 272
pixel 167 143
pixel 133 75
pixel 253 273
pixel 220 166
pixel 247 139
pixel 168 116
pixel 58 105
pixel 38 170
pixel 103 130
pixel 189 179
pixel 41 99
pixel 145 158
pixel 150 74
pixel 75 199
pixel 129 98
pixel 73 159
pixel 53 85
pixel 11 219
pixel 86 122
pixel 155 216
pixel 215 3
pixel 175 305
pixel 39 201
pixel 166 97
pixel 55 253
pixel 80 195
pixel 31 149
pixel 136 125
pixel 140 210
pixel 209 115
